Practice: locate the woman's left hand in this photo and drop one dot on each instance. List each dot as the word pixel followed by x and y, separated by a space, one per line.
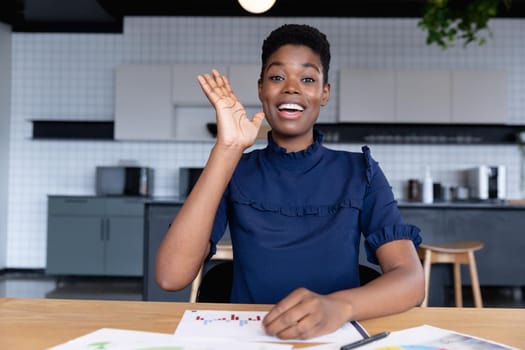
pixel 304 314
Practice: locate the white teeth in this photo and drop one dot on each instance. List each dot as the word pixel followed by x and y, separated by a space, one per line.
pixel 291 106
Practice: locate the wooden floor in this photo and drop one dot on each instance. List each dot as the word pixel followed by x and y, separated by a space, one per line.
pixel 35 284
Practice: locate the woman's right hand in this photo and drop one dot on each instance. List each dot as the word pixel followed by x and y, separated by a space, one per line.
pixel 233 126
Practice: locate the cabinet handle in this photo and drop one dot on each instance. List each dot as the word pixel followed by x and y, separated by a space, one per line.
pixel 133 200
pixel 75 200
pixel 102 229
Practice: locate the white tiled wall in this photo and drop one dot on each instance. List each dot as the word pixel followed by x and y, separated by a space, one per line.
pixel 71 77
pixel 5 97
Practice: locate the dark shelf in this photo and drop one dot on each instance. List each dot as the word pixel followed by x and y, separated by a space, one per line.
pixel 422 133
pixel 73 130
pixel 400 133
pixel 374 133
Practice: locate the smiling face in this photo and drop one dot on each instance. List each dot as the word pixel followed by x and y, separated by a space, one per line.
pixel 292 91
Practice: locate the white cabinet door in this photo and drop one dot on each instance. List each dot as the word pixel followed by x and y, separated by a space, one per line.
pixel 423 96
pixel 243 79
pixel 479 97
pixel 143 106
pixel 186 89
pixel 427 96
pixel 367 96
pixel 192 108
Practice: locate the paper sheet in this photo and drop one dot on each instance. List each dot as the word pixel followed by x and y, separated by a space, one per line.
pixel 247 325
pixel 120 339
pixel 427 337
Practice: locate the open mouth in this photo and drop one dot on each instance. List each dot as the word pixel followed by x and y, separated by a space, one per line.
pixel 290 108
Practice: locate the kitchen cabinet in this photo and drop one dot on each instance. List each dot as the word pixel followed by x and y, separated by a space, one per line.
pixel 479 97
pixel 187 92
pixel 367 95
pixel 192 110
pixel 143 106
pixel 394 96
pixel 500 262
pixel 100 236
pixel 243 79
pixel 422 96
pixel 186 89
pixel 164 102
pixel 158 217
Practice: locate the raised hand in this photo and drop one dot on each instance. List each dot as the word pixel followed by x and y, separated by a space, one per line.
pixel 233 126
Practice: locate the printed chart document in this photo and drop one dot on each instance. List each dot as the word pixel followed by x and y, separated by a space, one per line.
pixel 425 337
pixel 121 339
pixel 247 325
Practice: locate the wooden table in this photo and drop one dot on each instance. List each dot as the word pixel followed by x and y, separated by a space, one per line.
pixel 36 324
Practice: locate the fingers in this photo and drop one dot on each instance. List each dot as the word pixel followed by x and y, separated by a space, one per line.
pixel 295 317
pixel 282 307
pixel 257 119
pixel 305 328
pixel 233 125
pixel 215 86
pixel 227 85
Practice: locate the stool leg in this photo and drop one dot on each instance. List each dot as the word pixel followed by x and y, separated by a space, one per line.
pixel 426 269
pixel 457 285
pixel 476 291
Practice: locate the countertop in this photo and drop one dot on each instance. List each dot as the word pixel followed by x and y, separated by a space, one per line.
pixel 509 204
pixel 164 200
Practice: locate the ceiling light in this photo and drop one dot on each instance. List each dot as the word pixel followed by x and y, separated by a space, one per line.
pixel 256 6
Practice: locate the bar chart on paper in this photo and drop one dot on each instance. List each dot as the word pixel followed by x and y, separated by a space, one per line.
pixel 247 326
pixel 233 318
pixel 219 324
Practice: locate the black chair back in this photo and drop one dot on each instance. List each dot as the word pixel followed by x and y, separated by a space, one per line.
pixel 216 282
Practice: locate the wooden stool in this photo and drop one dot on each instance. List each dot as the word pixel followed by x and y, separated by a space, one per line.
pixel 457 253
pixel 224 252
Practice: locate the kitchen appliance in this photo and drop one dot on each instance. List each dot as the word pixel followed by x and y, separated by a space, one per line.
pixel 187 179
pixel 414 190
pixel 487 182
pixel 459 193
pixel 124 181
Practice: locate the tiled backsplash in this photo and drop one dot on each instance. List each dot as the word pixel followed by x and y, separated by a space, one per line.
pixel 71 77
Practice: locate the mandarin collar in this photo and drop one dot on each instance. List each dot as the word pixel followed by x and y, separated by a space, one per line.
pixel 302 159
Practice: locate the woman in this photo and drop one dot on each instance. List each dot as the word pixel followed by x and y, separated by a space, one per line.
pixel 296 210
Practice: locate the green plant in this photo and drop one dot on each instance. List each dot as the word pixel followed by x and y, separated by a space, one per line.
pixel 445 21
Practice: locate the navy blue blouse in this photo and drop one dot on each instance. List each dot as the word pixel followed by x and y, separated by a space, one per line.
pixel 296 219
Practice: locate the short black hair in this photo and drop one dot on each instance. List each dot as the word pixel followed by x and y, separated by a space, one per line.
pixel 298 34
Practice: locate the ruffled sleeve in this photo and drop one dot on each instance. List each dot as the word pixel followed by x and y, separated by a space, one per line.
pixel 388 234
pixel 370 164
pixel 380 220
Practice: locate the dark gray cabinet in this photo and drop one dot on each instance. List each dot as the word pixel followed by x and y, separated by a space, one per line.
pixel 100 236
pixel 158 217
pixel 500 262
pixel 500 228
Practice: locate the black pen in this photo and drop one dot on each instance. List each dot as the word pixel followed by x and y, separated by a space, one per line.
pixel 365 341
